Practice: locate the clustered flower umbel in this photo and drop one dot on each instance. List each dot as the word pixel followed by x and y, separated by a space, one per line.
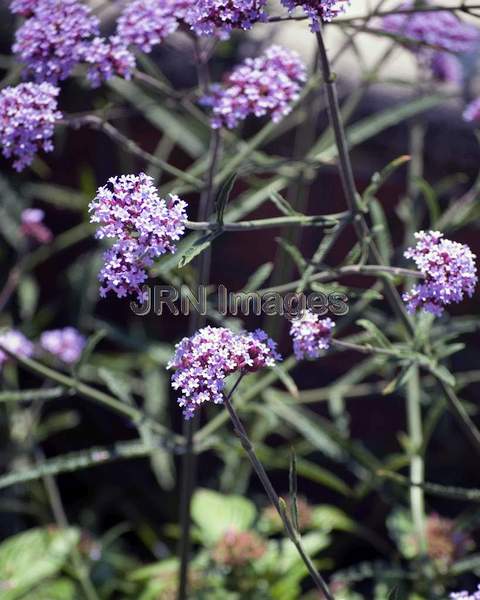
pixel 268 84
pixel 202 363
pixel 311 335
pixel 238 548
pixel 435 35
pixel 28 113
pixel 66 344
pixel 15 342
pixel 319 11
pixel 449 272
pixel 144 226
pixel 219 17
pixel 466 595
pixel 59 34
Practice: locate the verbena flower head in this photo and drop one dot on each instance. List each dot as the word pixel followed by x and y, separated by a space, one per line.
pixel 449 271
pixel 203 361
pixel 441 29
pixel 50 43
pixel 445 542
pixel 311 335
pixel 65 344
pixel 145 226
pixel 266 85
pixel 106 58
pixel 33 226
pixel 319 11
pixel 146 23
pixel 220 17
pixel 23 7
pixel 28 113
pixel 446 67
pixel 466 595
pixel 238 548
pixel 15 342
pixel 472 112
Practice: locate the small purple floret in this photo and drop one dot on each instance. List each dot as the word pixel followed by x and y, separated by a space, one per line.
pixel 311 335
pixel 65 344
pixel 15 342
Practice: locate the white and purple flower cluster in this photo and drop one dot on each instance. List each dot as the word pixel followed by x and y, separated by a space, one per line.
pixel 465 595
pixel 60 34
pixel 319 11
pixel 66 344
pixel 219 17
pixel 144 226
pixel 28 113
pixel 259 86
pixel 15 342
pixel 434 35
pixel 449 271
pixel 311 335
pixel 202 363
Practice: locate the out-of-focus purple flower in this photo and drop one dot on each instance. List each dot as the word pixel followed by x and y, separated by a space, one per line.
pixel 15 342
pixel 220 17
pixel 472 111
pixel 23 7
pixel 33 227
pixel 203 361
pixel 311 335
pixel 465 595
pixel 259 86
pixel 446 67
pixel 65 344
pixel 449 271
pixel 107 57
pixel 146 23
pixel 145 226
pixel 441 29
pixel 50 42
pixel 319 11
pixel 28 113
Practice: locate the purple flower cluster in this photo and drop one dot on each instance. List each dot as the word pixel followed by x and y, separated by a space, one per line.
pixel 311 335
pixel 203 361
pixel 466 595
pixel 449 271
pixel 472 111
pixel 220 17
pixel 15 342
pixel 65 344
pixel 259 86
pixel 106 58
pixel 144 225
pixel 33 226
pixel 23 7
pixel 50 43
pixel 319 11
pixel 146 23
pixel 28 113
pixel 441 29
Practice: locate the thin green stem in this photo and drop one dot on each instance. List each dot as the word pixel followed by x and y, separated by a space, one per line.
pixel 257 224
pixel 277 502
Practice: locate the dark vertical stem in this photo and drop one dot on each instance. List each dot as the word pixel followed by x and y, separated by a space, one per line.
pixel 272 494
pixel 197 320
pixel 348 182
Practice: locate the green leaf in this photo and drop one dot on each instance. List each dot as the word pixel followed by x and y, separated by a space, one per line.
pixel 293 252
pixel 374 332
pixel 282 204
pixel 31 557
pixel 293 485
pixel 215 513
pixel 28 293
pixel 199 246
pixel 287 381
pixel 33 395
pixel 381 230
pixel 223 196
pixel 60 589
pixel 379 178
pixel 258 278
